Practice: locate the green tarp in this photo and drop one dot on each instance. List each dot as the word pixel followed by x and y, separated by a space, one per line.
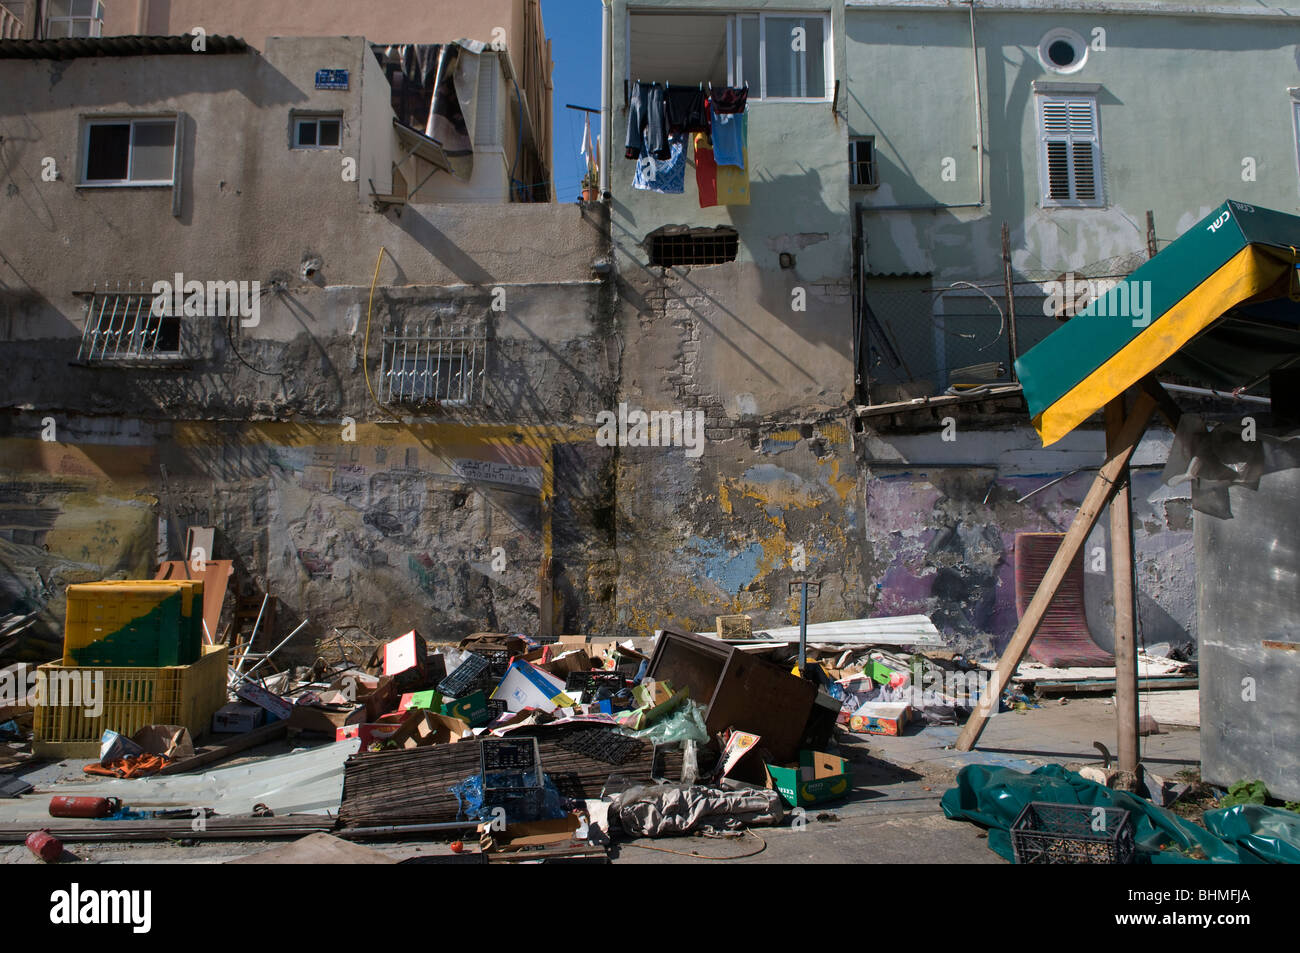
pixel 994 797
pixel 1270 832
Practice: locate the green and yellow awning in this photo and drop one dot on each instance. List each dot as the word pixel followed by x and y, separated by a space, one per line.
pixel 1237 258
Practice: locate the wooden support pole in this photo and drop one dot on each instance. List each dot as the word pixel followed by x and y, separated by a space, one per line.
pixel 1099 494
pixel 1121 568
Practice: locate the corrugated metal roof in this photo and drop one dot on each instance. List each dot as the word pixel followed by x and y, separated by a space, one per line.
pixel 75 47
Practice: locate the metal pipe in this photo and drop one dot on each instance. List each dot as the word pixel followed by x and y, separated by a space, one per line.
pixel 249 674
pixel 606 69
pixel 1207 392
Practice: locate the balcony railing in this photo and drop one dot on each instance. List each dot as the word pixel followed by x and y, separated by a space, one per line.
pixel 11 25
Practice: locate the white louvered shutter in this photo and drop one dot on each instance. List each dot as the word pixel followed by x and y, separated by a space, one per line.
pixel 1070 151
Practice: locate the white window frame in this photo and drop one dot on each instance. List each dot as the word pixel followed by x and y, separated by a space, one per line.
pixel 128 183
pixel 1044 180
pixel 735 65
pixel 853 163
pixel 1295 121
pixel 301 118
pixel 96 21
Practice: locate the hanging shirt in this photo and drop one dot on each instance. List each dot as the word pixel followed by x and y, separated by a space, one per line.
pixel 706 171
pixel 729 100
pixel 686 110
pixel 668 177
pixel 727 130
pixel 647 130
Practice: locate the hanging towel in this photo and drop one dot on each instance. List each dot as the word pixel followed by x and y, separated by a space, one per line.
pixel 706 171
pixel 730 100
pixel 686 110
pixel 733 181
pixel 727 130
pixel 646 128
pixel 667 177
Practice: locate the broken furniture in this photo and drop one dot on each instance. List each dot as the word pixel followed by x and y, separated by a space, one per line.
pixel 736 690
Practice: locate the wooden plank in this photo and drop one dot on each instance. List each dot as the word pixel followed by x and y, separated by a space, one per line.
pixel 1121 569
pixel 209 754
pixel 1099 494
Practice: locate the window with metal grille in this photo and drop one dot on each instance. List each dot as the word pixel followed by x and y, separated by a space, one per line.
pixel 432 367
pixel 862 162
pixel 125 328
pixel 1070 151
pixel 698 246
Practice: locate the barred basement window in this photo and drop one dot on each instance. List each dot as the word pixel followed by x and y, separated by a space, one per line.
pixel 862 162
pixel 432 367
pixel 697 246
pixel 122 328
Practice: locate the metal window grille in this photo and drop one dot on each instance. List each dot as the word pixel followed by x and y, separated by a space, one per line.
pixel 122 328
pixel 432 367
pixel 862 161
pixel 696 247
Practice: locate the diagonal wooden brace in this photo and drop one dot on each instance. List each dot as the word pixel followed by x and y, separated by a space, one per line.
pixel 1099 494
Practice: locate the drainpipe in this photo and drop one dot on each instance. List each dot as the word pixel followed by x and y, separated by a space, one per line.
pixel 979 134
pixel 606 66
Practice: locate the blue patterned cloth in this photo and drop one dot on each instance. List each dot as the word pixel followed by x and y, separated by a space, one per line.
pixel 668 177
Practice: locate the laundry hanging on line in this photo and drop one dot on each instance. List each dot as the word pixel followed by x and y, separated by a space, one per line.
pixel 647 128
pixel 727 132
pixel 686 110
pixel 667 177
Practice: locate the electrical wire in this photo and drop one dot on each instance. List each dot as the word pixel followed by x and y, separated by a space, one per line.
pixel 230 336
pixel 683 853
pixel 365 347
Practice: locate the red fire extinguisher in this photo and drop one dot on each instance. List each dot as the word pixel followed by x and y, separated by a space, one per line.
pixel 45 845
pixel 84 806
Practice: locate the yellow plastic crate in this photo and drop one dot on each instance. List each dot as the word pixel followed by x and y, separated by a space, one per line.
pixel 127 699
pixel 96 610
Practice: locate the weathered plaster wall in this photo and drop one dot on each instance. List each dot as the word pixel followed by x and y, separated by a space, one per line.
pixel 1223 82
pixel 734 330
pixel 392 21
pixel 253 432
pixel 382 531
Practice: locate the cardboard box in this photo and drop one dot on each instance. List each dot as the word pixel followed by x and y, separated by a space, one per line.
pixel 236 718
pixel 561 665
pixel 531 835
pixel 526 686
pixel 326 720
pixel 423 728
pixel 273 705
pixel 471 709
pixel 817 777
pixel 369 732
pixel 881 718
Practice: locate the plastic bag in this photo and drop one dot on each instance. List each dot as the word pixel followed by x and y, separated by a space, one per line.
pixel 685 724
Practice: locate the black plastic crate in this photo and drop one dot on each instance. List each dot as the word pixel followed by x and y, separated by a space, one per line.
pixel 466 679
pixel 1048 833
pixel 498 660
pixel 596 680
pixel 513 755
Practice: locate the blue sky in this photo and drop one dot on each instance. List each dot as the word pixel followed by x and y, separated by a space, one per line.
pixel 573 27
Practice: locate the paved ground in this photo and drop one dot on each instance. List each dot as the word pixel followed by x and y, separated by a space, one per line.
pixel 891 816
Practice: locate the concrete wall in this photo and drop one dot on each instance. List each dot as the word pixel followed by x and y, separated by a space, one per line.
pixel 390 21
pixel 1184 99
pixel 728 336
pixel 346 511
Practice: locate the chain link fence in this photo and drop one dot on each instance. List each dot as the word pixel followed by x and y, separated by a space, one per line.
pixel 923 337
